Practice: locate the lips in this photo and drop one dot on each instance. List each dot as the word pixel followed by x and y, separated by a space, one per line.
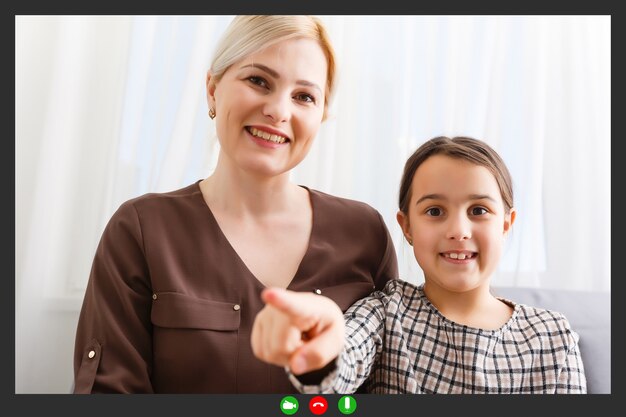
pixel 267 136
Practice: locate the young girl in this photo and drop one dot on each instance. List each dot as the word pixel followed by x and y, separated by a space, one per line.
pixel 448 335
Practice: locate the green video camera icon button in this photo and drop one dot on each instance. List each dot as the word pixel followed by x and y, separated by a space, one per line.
pixel 347 404
pixel 289 405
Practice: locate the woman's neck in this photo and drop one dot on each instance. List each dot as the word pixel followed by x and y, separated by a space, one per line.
pixel 241 193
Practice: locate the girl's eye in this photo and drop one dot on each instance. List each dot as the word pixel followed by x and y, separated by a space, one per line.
pixel 257 81
pixel 478 211
pixel 434 211
pixel 307 98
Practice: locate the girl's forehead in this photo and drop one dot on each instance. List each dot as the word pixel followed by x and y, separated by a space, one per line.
pixel 445 174
pixel 445 163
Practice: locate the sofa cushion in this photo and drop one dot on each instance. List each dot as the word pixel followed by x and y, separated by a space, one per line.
pixel 589 314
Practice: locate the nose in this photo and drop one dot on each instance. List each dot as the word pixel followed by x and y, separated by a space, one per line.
pixel 277 108
pixel 459 228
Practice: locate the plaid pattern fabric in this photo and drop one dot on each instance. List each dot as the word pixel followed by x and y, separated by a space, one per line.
pixel 398 342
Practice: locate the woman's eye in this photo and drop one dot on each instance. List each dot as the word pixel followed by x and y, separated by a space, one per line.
pixel 435 212
pixel 257 81
pixel 308 98
pixel 478 211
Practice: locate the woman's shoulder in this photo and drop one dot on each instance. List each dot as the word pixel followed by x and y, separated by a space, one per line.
pixel 161 203
pixel 186 191
pixel 342 208
pixel 158 199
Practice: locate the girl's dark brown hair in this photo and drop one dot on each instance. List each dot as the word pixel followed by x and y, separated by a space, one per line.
pixel 469 149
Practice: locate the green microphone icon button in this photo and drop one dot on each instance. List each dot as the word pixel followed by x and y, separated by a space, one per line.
pixel 347 404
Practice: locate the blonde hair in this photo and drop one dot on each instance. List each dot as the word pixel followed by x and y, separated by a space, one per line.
pixel 248 34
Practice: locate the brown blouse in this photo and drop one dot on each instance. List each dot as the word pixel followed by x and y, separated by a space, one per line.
pixel 169 305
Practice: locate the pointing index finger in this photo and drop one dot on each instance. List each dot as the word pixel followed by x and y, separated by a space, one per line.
pixel 304 310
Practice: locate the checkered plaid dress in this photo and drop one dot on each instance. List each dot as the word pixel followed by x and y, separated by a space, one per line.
pixel 398 342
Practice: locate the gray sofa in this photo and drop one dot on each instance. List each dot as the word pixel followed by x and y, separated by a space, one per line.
pixel 589 314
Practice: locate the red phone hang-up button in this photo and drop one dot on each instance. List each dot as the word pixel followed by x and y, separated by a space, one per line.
pixel 318 405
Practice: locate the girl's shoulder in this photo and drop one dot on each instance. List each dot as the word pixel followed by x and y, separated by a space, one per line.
pixel 399 294
pixel 531 321
pixel 392 301
pixel 532 314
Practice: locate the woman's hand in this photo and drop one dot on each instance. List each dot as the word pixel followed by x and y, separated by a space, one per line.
pixel 300 330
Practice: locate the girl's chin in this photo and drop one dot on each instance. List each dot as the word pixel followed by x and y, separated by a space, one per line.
pixel 456 285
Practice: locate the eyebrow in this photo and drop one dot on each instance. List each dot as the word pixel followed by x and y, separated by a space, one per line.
pixel 277 75
pixel 469 197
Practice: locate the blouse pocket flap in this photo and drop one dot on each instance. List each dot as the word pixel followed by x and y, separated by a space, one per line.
pixel 175 310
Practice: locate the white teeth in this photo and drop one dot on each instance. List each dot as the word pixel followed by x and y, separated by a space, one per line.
pixel 267 136
pixel 460 256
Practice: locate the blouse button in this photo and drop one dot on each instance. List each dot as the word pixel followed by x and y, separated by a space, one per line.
pixel 154 296
pixel 91 354
pixel 318 291
pixel 236 307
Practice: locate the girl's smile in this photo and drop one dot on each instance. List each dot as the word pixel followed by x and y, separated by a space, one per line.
pixel 459 257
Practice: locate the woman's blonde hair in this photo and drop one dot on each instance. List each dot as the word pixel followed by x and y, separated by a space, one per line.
pixel 248 34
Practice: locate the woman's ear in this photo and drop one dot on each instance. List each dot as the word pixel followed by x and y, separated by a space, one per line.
pixel 210 90
pixel 509 219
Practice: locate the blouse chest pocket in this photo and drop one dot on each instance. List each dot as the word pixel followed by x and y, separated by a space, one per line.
pixel 195 344
pixel 175 310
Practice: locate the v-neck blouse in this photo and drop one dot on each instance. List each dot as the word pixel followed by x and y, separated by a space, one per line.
pixel 169 304
pixel 223 240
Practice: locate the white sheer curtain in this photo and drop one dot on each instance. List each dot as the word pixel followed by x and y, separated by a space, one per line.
pixel 112 107
pixel 537 88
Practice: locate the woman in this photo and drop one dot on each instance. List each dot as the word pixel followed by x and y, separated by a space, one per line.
pixel 176 279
